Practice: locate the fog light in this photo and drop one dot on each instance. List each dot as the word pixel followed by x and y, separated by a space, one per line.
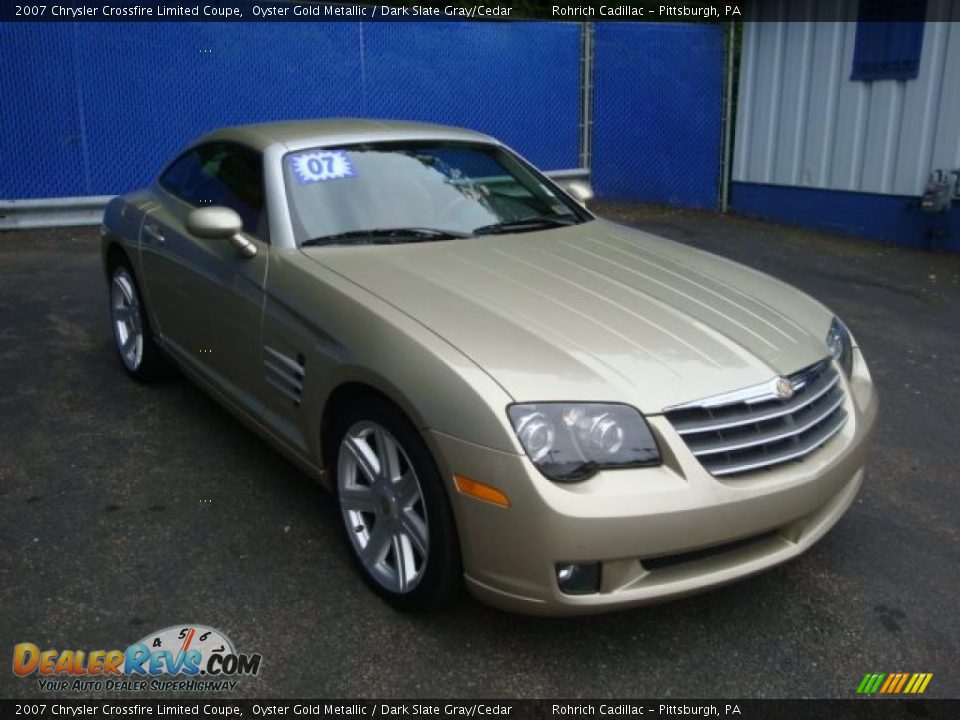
pixel 578 578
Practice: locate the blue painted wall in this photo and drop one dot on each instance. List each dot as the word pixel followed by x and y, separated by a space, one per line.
pixel 96 109
pixel 658 111
pixel 889 218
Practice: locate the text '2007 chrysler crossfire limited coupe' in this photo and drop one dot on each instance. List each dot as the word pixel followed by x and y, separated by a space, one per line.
pixel 503 391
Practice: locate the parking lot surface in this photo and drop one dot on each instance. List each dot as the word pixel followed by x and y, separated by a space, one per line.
pixel 125 509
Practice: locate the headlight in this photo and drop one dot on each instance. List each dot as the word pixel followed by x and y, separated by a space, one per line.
pixel 841 345
pixel 572 441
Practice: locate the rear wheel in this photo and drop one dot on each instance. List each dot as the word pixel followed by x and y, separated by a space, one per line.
pixel 142 358
pixel 395 511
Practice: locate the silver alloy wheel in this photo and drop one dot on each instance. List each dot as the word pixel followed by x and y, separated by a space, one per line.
pixel 383 506
pixel 126 319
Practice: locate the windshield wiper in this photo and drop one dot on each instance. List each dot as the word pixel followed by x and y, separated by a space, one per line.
pixel 528 223
pixel 386 235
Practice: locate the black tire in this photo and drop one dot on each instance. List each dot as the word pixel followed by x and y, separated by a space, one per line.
pixel 152 363
pixel 441 581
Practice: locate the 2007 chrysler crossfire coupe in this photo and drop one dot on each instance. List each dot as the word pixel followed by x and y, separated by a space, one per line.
pixel 564 414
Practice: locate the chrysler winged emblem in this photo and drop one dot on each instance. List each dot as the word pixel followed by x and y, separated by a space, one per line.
pixel 784 388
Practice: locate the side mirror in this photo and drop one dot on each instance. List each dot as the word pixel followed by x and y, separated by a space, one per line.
pixel 214 223
pixel 220 223
pixel 581 191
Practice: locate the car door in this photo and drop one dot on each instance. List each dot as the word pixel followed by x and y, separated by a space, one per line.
pixel 166 257
pixel 209 297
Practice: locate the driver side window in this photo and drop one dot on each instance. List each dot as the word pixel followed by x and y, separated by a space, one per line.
pixel 221 174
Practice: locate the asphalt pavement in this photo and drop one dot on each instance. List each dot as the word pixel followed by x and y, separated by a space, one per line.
pixel 125 509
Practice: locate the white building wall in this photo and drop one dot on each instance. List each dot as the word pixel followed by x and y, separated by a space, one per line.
pixel 802 121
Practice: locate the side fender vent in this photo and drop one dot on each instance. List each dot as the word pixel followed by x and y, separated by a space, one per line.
pixel 284 374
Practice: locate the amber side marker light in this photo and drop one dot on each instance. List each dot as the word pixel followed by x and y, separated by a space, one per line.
pixel 480 491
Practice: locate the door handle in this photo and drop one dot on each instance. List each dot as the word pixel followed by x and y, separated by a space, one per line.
pixel 153 231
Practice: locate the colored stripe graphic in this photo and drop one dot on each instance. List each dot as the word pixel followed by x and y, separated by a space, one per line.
pixel 866 685
pixel 894 683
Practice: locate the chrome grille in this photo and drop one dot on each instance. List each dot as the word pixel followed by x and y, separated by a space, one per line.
pixel 756 428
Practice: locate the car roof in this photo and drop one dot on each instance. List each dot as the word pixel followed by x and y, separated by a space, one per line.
pixel 306 133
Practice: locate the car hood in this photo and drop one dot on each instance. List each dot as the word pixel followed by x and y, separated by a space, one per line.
pixel 595 312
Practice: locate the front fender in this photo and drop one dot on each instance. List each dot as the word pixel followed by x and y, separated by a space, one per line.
pixel 346 334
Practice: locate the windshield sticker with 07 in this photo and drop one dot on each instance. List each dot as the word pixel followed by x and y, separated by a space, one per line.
pixel 320 165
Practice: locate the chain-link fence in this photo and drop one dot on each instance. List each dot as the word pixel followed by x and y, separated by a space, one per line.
pixel 96 108
pixel 658 112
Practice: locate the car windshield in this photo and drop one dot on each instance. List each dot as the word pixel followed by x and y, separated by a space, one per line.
pixel 413 192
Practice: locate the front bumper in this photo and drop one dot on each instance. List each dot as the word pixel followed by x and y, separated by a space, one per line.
pixel 620 518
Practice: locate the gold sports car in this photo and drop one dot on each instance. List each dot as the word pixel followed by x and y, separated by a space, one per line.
pixel 502 390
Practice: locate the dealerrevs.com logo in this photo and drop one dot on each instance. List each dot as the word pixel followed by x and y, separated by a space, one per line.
pixel 177 658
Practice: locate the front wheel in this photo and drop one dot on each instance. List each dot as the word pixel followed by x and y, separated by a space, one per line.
pixel 395 511
pixel 141 357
